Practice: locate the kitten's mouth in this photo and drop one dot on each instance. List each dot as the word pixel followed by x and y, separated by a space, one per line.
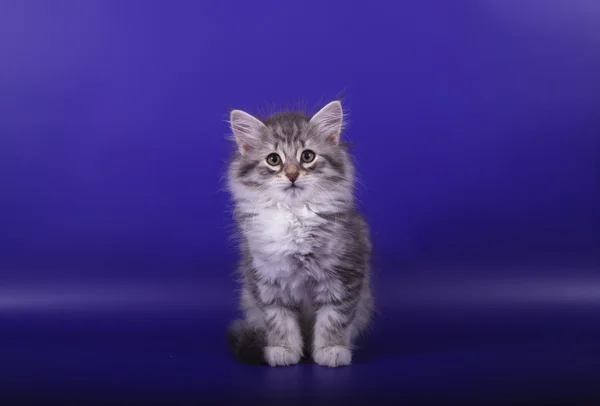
pixel 293 187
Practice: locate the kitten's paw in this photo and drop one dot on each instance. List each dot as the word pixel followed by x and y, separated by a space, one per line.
pixel 333 356
pixel 281 356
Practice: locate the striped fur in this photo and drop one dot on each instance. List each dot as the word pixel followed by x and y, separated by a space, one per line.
pixel 305 249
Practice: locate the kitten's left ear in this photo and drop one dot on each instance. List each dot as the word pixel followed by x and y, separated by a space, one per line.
pixel 328 122
pixel 246 129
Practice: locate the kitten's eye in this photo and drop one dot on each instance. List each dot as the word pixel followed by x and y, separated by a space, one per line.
pixel 307 156
pixel 273 159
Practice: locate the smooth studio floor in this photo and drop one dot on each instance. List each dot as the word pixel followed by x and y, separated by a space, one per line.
pixel 530 337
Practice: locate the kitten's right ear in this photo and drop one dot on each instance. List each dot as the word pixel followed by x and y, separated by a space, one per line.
pixel 328 122
pixel 246 129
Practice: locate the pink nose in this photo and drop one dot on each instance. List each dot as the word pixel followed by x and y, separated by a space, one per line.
pixel 292 172
pixel 292 176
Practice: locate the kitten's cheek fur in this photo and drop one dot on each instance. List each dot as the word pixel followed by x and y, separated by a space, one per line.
pixel 336 356
pixel 281 356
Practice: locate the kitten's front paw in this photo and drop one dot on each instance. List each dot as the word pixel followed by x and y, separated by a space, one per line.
pixel 333 356
pixel 281 356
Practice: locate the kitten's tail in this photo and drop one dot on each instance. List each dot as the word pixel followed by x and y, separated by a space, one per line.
pixel 247 343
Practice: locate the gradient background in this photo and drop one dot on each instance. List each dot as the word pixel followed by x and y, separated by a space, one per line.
pixel 476 126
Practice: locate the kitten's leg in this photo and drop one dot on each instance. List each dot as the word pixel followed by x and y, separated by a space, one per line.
pixel 265 310
pixel 333 329
pixel 331 343
pixel 284 336
pixel 281 324
pixel 344 310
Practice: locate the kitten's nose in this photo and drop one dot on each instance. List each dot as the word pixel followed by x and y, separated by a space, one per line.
pixel 292 172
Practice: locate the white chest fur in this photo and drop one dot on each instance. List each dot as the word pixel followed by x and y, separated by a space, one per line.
pixel 278 234
pixel 283 230
pixel 280 239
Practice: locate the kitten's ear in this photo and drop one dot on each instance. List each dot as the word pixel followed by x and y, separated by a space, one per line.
pixel 328 122
pixel 246 129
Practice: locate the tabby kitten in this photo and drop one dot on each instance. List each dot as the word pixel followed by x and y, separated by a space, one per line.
pixel 305 249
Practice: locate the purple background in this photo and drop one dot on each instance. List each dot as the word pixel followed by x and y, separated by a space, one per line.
pixel 475 126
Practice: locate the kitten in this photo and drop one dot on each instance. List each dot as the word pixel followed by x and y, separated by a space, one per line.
pixel 305 249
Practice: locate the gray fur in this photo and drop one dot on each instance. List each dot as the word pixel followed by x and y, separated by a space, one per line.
pixel 305 249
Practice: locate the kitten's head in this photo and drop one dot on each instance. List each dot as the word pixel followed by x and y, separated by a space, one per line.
pixel 291 158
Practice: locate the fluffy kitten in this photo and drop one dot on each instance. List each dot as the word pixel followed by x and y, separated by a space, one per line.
pixel 305 249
